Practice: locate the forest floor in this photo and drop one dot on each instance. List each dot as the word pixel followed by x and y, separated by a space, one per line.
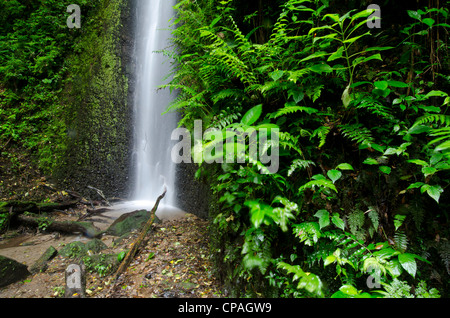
pixel 174 262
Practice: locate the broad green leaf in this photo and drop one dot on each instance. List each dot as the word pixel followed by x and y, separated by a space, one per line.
pixel 334 175
pixel 391 151
pixel 415 185
pixel 372 57
pixel 381 85
pixel 257 212
pixel 311 283
pixel 313 30
pixel 340 294
pixel 324 218
pixel 408 263
pixel 386 253
pixel 377 147
pixel 321 183
pixel 322 67
pixel 414 15
pixel 435 192
pixel 378 48
pixel 435 93
pixel 353 39
pixel 385 169
pixel 345 16
pixel 344 166
pixel 443 146
pixel 418 162
pixel 329 260
pixel 427 171
pixel 332 16
pixel 428 21
pixel 336 219
pixel 252 115
pixel 397 84
pixel 336 55
pixel 370 161
pixel 314 55
pixel 372 264
pixel 394 268
pixel 349 290
pixel 276 75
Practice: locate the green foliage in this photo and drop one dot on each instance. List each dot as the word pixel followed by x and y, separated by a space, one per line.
pixel 359 130
pixel 35 43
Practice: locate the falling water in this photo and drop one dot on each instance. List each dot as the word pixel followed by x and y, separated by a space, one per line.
pixel 154 167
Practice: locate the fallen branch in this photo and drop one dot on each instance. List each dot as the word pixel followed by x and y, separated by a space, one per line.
pixel 30 206
pixel 100 193
pixel 86 228
pixel 136 244
pixel 93 212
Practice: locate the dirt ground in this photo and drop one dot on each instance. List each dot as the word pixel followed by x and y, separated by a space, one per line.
pixel 174 262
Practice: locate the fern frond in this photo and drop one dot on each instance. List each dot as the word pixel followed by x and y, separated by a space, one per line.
pixel 314 92
pixel 376 109
pixel 433 119
pixel 294 108
pixel 400 241
pixel 355 222
pixel 357 133
pixel 322 133
pixel 288 141
pixel 234 94
pixel 372 213
pixel 299 163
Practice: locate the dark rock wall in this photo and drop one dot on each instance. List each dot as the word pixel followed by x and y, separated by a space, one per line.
pixel 98 103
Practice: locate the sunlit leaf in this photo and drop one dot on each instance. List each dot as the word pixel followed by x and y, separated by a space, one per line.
pixel 408 263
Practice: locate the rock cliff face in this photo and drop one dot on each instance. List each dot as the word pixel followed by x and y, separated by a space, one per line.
pixel 98 103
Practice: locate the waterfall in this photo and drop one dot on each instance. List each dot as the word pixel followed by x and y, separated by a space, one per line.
pixel 154 169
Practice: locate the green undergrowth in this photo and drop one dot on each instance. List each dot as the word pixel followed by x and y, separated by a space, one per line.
pixel 358 206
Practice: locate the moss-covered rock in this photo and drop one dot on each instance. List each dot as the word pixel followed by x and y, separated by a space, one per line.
pixel 11 271
pixel 95 246
pixel 128 222
pixel 41 264
pixel 78 249
pixel 73 250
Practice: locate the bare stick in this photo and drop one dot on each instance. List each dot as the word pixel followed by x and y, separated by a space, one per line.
pixel 136 244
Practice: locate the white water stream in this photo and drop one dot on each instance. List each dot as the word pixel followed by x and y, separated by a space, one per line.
pixel 154 169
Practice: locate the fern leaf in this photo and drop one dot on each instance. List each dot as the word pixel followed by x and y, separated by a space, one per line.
pixel 322 133
pixel 400 241
pixel 433 118
pixel 357 133
pixel 289 109
pixel 288 141
pixel 302 164
pixel 377 109
pixel 355 222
